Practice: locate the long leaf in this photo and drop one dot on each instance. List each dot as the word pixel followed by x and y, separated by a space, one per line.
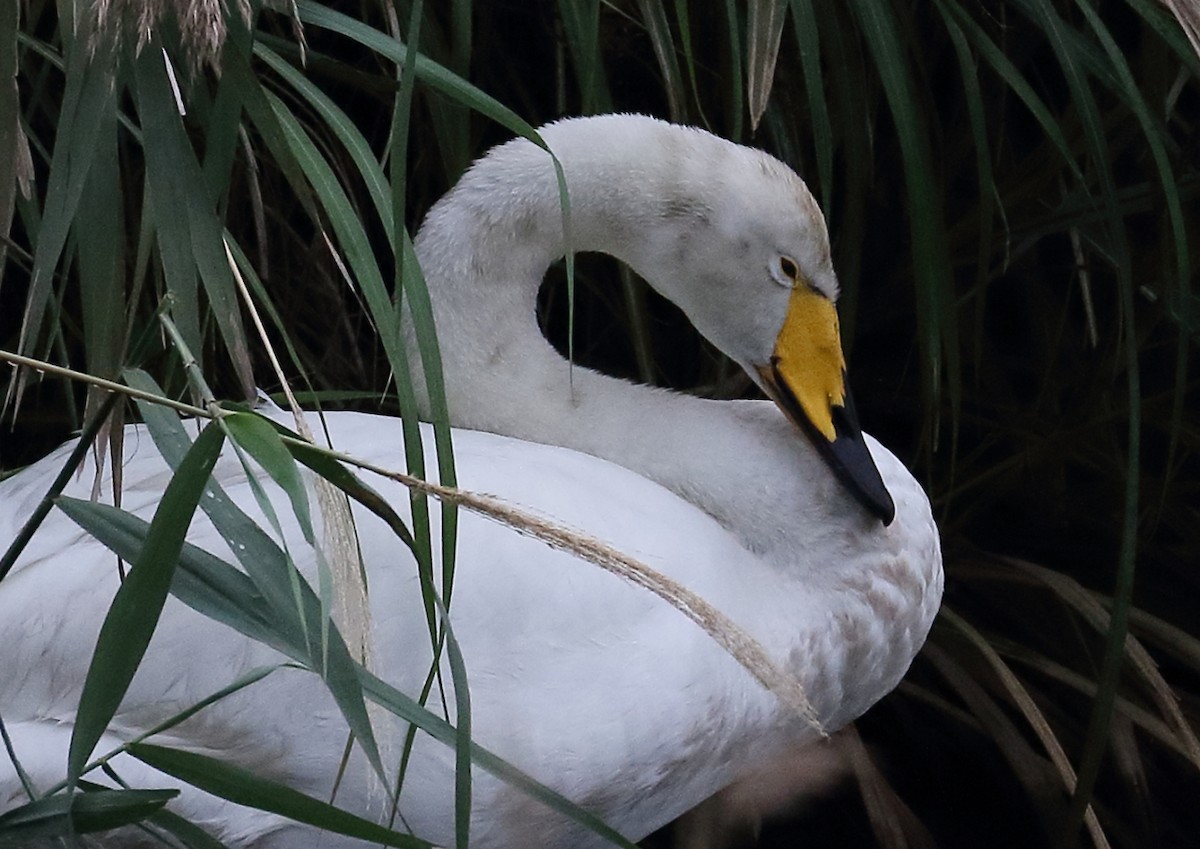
pixel 205 582
pixel 185 831
pixel 16 171
pixel 190 235
pixel 272 572
pixel 238 785
pixel 991 53
pixel 427 71
pixel 70 467
pixel 84 813
pixel 581 28
pixel 809 38
pixel 87 98
pixel 936 315
pixel 654 16
pixel 217 590
pixel 685 41
pixel 135 609
pixel 763 31
pixel 101 255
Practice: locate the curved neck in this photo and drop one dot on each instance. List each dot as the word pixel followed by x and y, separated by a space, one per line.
pixel 485 248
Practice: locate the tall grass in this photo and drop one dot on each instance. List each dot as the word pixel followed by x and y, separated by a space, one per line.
pixel 1012 193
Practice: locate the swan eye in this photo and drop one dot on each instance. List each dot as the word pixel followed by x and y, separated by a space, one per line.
pixel 789 271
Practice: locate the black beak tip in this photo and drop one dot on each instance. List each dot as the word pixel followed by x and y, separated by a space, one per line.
pixel 852 463
pixel 847 455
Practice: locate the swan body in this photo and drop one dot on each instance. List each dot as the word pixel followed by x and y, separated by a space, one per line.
pixel 596 687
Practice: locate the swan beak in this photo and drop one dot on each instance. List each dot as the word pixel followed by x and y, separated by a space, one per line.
pixel 806 378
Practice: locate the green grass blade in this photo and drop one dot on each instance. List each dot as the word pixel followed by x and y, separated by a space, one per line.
pixel 581 27
pixel 852 96
pixel 138 603
pixel 352 486
pixel 737 95
pixel 166 190
pixel 223 124
pixel 258 438
pixel 451 120
pixel 212 587
pixel 991 53
pixel 936 314
pixel 262 299
pixel 360 258
pixel 215 589
pixel 412 283
pixel 416 296
pixel 28 786
pixel 973 94
pixel 244 788
pixel 31 524
pixel 87 97
pixel 689 58
pixel 242 682
pixel 808 36
pixel 654 16
pixel 286 565
pixel 410 286
pixel 764 29
pixel 349 483
pixel 1169 30
pixel 398 169
pixel 462 738
pixel 185 831
pixel 462 35
pixel 84 813
pixel 439 729
pixel 344 220
pixel 1156 140
pixel 16 167
pixel 269 566
pixel 190 235
pixel 428 71
pixel 262 118
pixel 204 582
pixel 101 255
pixel 343 128
pixel 353 239
pixel 102 762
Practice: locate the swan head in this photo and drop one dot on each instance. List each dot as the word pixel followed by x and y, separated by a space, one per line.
pixel 740 244
pixel 730 234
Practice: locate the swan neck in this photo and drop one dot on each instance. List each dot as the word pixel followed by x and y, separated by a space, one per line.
pixel 486 246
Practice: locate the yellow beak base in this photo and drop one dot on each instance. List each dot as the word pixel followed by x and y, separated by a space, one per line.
pixel 806 378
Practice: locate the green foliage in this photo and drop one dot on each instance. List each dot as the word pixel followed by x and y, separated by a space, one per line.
pixel 1012 191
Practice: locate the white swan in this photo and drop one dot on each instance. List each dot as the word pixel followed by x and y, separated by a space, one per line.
pixel 596 687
